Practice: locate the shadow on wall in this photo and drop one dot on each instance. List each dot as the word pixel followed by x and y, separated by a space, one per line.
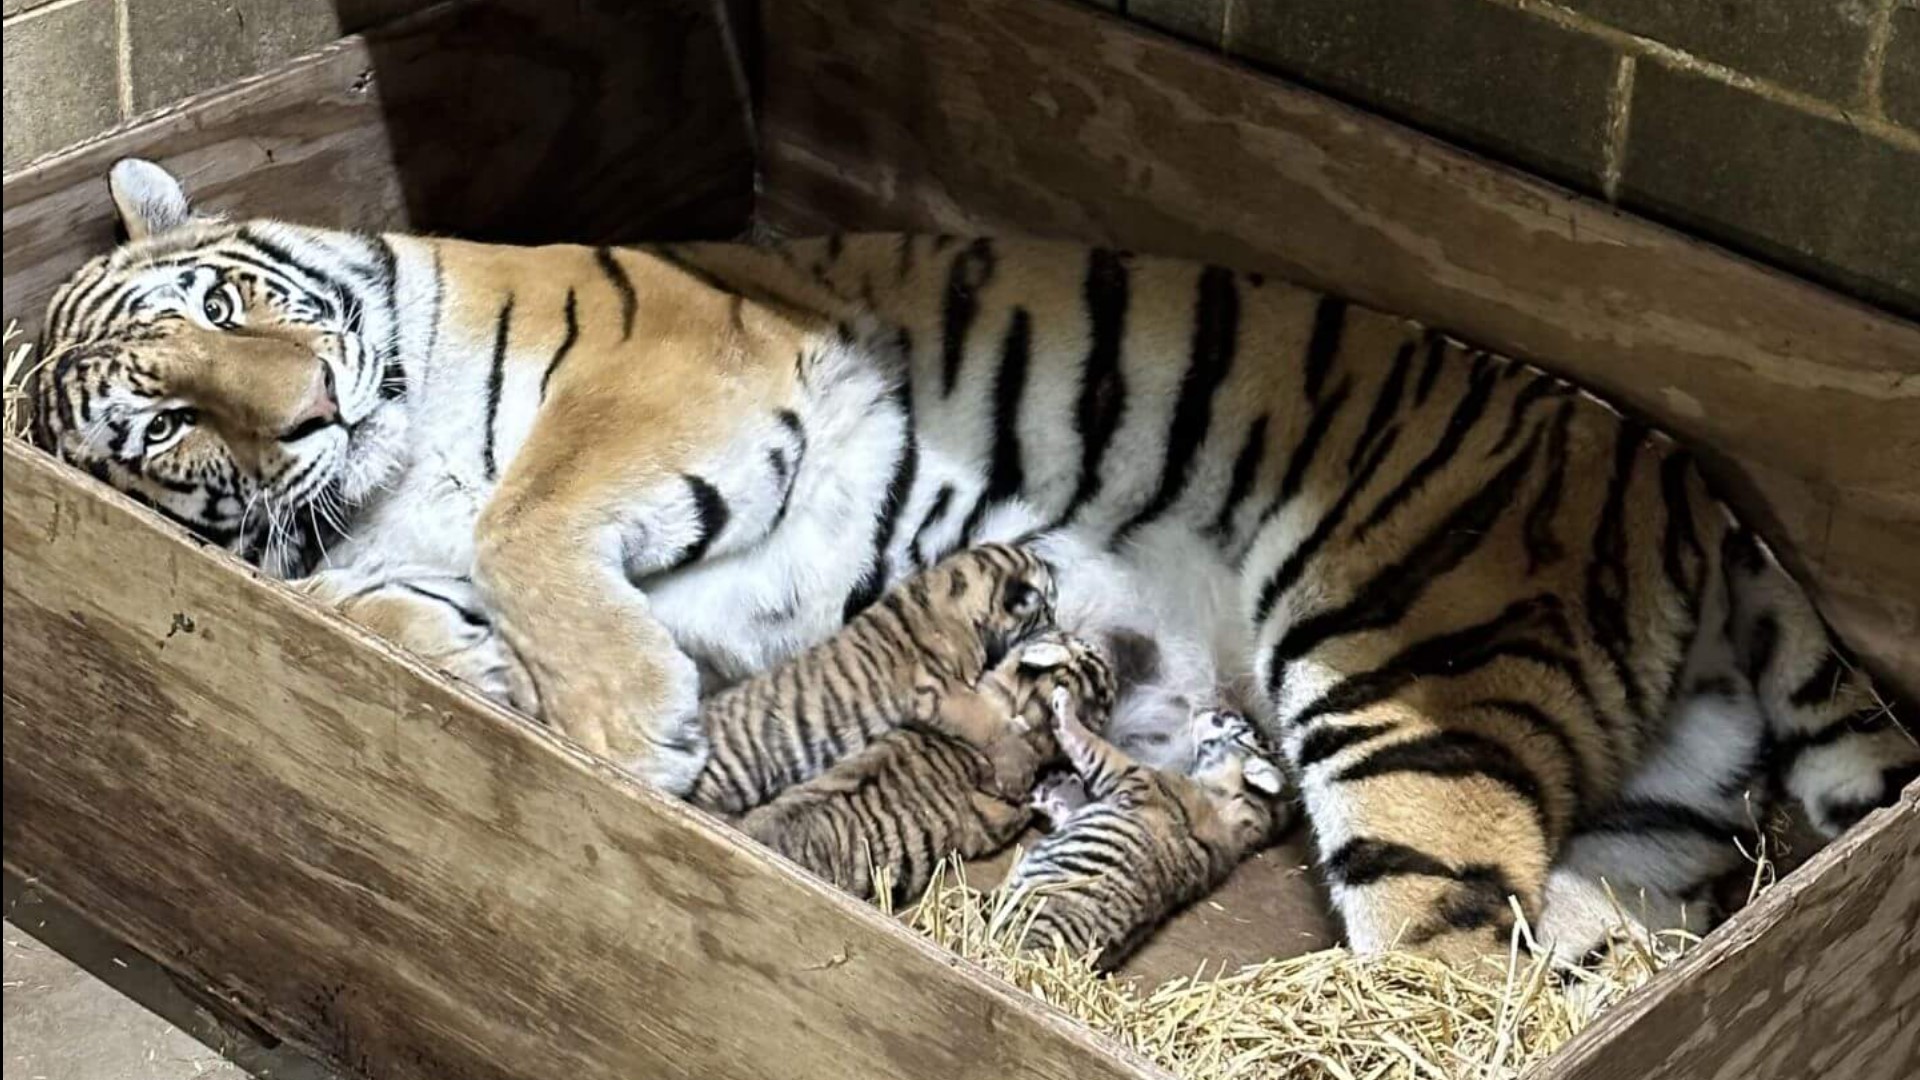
pixel 586 120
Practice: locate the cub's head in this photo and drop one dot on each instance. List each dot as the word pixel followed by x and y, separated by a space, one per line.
pixel 1246 790
pixel 239 378
pixel 1002 592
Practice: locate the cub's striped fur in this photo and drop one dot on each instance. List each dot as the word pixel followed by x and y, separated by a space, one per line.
pixel 897 662
pixel 1474 606
pixel 1130 844
pixel 955 786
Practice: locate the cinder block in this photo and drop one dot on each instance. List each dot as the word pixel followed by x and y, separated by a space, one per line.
pixel 1490 77
pixel 1812 45
pixel 61 78
pixel 1900 77
pixel 1198 21
pixel 1816 195
pixel 180 49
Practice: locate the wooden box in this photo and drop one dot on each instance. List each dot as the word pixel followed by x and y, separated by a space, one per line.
pixel 373 863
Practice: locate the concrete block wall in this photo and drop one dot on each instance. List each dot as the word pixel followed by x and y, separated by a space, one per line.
pixel 77 67
pixel 1787 129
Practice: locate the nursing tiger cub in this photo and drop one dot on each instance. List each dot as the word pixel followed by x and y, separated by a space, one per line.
pixel 1130 845
pixel 906 659
pixel 1468 600
pixel 958 785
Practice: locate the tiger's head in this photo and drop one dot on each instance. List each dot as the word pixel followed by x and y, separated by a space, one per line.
pixel 241 378
pixel 996 594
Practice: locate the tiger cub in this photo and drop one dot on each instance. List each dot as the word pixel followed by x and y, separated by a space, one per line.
pixel 937 632
pixel 884 818
pixel 1130 845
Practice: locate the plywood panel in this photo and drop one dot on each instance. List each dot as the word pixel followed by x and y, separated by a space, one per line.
pixel 389 871
pixel 1037 116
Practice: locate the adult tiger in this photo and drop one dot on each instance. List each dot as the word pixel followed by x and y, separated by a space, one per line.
pixel 1471 598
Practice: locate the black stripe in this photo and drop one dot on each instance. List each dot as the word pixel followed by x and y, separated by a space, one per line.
pixel 1290 570
pixel 467 615
pixel 1607 582
pixel 1103 387
pixel 286 258
pixel 1363 861
pixel 433 327
pixel 1386 404
pixel 609 265
pixel 1450 754
pixel 1430 372
pixel 1680 544
pixel 1390 594
pixel 1819 687
pixel 1005 476
pixel 1458 652
pixel 1246 470
pixel 1329 326
pixel 1327 740
pixel 1543 548
pixel 969 272
pixel 496 378
pixel 1543 722
pixel 393 375
pixel 1542 386
pixel 941 500
pixel 1216 338
pixel 1472 406
pixel 566 345
pixel 1788 748
pixel 1479 900
pixel 1641 816
pixel 710 509
pixel 899 489
pixel 1306 450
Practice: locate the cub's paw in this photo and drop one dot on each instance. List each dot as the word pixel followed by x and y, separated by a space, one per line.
pixel 1058 797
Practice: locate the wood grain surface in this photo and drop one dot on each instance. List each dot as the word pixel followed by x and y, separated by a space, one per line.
pixel 411 883
pixel 1818 979
pixel 1039 116
pixel 513 120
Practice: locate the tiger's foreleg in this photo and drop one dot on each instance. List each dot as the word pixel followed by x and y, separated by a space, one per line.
pixel 608 491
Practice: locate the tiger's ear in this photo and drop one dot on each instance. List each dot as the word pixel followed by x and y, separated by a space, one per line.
pixel 149 199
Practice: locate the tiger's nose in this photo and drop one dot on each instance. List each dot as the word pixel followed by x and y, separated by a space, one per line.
pixel 321 408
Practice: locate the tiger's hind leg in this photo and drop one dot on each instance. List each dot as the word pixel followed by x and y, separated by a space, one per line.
pixel 1435 799
pixel 1650 859
pixel 1840 749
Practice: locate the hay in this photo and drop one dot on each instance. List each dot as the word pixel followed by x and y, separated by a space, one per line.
pixel 21 368
pixel 1327 1014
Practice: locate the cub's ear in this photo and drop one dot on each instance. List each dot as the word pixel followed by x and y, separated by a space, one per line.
pixel 149 199
pixel 1264 777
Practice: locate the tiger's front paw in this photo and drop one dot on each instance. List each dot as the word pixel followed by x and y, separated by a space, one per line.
pixel 639 711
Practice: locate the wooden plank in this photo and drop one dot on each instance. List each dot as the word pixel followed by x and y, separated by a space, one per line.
pixel 1040 116
pixel 513 120
pixel 409 882
pixel 1820 977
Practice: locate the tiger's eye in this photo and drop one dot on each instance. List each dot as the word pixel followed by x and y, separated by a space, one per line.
pixel 218 306
pixel 166 425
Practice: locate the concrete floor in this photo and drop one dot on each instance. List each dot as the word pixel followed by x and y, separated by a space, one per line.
pixel 79 1005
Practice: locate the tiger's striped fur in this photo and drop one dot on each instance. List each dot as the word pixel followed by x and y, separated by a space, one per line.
pixel 1130 845
pixel 1470 603
pixel 956 786
pixel 897 662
